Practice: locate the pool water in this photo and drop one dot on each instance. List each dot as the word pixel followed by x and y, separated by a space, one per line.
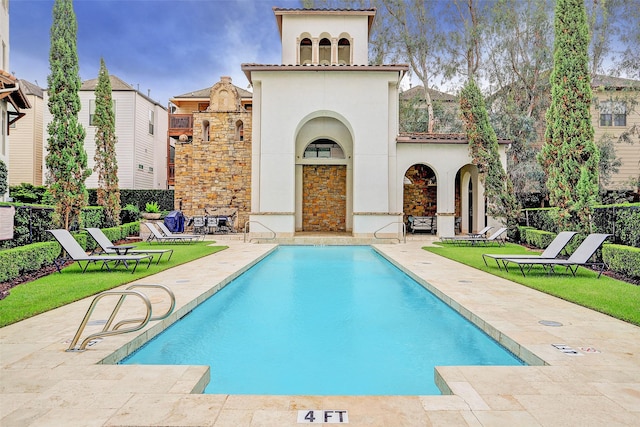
pixel 333 320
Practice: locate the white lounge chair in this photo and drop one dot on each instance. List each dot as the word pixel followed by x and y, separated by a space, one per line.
pixel 552 251
pixel 159 237
pixel 109 248
pixel 168 233
pixel 76 253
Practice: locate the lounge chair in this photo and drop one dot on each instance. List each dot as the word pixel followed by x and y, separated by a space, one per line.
pixel 467 236
pixel 552 251
pixel 159 237
pixel 168 233
pixel 76 253
pixel 471 240
pixel 109 248
pixel 580 257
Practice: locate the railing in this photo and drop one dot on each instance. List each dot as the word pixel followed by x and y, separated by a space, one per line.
pixel 246 224
pixel 106 331
pixel 180 123
pixel 404 232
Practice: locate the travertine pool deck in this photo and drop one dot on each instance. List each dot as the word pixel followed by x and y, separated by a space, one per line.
pixel 42 385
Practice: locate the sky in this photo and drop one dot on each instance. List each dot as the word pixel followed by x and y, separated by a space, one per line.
pixel 167 47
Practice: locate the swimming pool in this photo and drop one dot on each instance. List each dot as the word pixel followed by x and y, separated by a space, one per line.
pixel 334 320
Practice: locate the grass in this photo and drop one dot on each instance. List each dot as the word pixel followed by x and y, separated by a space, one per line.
pixel 610 296
pixel 58 289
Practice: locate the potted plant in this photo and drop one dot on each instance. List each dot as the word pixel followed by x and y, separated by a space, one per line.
pixel 151 211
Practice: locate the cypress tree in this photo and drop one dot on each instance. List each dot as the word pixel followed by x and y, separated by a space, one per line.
pixel 106 165
pixel 483 149
pixel 66 159
pixel 569 155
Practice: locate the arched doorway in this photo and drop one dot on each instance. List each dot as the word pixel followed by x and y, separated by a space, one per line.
pixel 420 191
pixel 324 178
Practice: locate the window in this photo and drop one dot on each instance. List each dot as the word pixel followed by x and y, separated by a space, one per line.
pixel 151 121
pixel 344 52
pixel 305 51
pixel 323 149
pixel 239 131
pixel 325 52
pixel 613 113
pixel 92 110
pixel 205 130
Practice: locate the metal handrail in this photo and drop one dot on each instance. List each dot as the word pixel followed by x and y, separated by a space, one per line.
pixel 172 297
pixel 116 330
pixel 404 232
pixel 104 332
pixel 257 222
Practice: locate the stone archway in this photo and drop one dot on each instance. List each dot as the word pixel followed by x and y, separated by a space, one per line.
pixel 324 197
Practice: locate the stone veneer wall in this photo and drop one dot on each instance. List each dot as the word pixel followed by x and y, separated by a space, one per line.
pixel 215 173
pixel 324 204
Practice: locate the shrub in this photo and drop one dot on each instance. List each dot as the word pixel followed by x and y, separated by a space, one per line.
pixel 17 261
pixel 538 238
pixel 622 259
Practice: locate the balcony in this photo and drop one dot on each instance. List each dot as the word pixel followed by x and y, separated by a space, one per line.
pixel 180 124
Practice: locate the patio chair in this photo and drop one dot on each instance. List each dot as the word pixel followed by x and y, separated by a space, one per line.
pixel 552 250
pixel 76 253
pixel 169 233
pixel 479 234
pixel 580 257
pixel 472 240
pixel 159 237
pixel 109 248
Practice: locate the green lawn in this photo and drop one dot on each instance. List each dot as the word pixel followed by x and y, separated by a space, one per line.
pixel 613 297
pixel 71 285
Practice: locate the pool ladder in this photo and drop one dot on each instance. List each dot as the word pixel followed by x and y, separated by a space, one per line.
pixel 107 330
pixel 402 232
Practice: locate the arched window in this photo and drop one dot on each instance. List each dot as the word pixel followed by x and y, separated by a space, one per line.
pixel 324 57
pixel 305 51
pixel 239 131
pixel 323 149
pixel 205 130
pixel 344 52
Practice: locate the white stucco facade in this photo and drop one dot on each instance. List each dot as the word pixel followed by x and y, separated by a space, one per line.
pixel 334 97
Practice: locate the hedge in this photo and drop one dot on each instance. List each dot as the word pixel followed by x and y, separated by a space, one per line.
pixel 622 259
pixel 622 221
pixel 24 259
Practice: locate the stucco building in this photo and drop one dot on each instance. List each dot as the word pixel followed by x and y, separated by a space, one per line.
pixel 327 154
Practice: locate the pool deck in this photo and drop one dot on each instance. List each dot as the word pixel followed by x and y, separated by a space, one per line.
pixel 42 385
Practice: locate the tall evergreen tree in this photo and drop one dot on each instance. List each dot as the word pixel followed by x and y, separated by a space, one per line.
pixel 106 164
pixel 483 148
pixel 569 155
pixel 66 158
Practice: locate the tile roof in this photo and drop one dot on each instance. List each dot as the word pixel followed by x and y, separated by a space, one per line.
pixel 248 68
pixel 438 138
pixel 614 82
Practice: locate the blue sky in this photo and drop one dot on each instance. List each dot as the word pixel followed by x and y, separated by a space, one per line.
pixel 169 47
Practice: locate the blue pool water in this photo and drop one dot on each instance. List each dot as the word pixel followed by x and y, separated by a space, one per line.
pixel 331 320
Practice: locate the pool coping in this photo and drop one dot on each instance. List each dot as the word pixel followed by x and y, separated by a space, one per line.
pixel 41 384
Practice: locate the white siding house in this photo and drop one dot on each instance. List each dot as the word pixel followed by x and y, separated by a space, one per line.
pixel 12 98
pixel 141 129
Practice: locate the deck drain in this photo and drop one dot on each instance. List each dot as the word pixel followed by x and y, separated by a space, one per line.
pixel 183 281
pixel 550 323
pixel 465 281
pixel 97 322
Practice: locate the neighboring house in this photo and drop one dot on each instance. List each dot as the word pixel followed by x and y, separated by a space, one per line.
pixel 446 111
pixel 616 115
pixel 141 129
pixel 210 150
pixel 12 98
pixel 327 154
pixel 27 140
